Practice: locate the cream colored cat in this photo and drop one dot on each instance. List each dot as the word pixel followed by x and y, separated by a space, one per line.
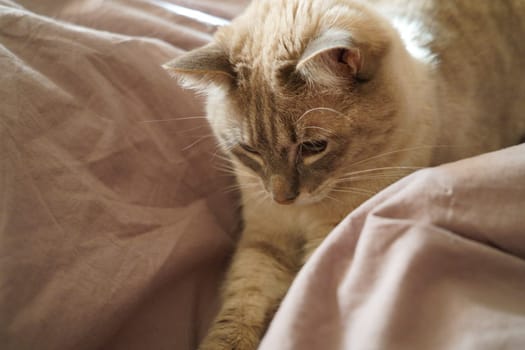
pixel 322 103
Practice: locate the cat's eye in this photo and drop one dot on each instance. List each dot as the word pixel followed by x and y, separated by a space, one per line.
pixel 249 149
pixel 311 148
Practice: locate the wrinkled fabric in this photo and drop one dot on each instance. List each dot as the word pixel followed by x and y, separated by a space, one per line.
pixel 116 228
pixel 436 261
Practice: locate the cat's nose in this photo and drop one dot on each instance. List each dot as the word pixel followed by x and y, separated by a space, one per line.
pixel 282 191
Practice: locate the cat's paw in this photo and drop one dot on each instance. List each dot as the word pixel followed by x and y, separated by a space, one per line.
pixel 222 343
pixel 231 336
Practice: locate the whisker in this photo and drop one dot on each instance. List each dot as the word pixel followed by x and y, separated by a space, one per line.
pixel 225 174
pixel 387 175
pixel 171 119
pixel 230 190
pixel 232 170
pixel 230 173
pixel 324 202
pixel 318 109
pixel 374 177
pixel 407 168
pixel 193 129
pixel 226 159
pixel 224 167
pixel 262 196
pixel 226 171
pixel 334 199
pixel 202 138
pixel 235 188
pixel 355 191
pixel 247 175
pixel 393 152
pixel 249 185
pixel 320 128
pixel 365 178
pixel 219 152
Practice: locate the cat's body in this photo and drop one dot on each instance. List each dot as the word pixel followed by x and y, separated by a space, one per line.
pixel 307 96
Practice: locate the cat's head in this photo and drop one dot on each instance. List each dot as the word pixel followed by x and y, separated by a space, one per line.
pixel 298 91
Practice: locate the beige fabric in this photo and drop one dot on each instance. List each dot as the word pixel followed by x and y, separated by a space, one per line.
pixel 436 261
pixel 113 232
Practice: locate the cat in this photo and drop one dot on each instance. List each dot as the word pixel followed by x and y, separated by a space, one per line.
pixel 322 103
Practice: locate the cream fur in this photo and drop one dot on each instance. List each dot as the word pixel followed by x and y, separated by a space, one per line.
pixel 436 93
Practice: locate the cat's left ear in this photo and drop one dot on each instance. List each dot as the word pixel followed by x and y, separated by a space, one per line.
pixel 336 56
pixel 200 68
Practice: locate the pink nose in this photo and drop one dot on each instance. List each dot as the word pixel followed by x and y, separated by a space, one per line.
pixel 281 191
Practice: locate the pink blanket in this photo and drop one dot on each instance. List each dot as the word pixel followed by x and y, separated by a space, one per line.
pixel 116 228
pixel 436 261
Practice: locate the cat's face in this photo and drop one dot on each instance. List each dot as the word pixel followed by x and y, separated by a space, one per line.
pixel 296 106
pixel 294 143
pixel 298 142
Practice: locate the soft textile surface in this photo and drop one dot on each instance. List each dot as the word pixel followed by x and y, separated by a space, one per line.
pixel 115 231
pixel 436 261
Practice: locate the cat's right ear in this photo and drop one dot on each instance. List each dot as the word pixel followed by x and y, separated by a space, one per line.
pixel 337 56
pixel 201 68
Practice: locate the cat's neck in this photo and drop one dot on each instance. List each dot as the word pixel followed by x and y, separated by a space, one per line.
pixel 412 71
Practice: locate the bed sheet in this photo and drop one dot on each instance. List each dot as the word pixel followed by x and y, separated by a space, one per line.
pixel 116 228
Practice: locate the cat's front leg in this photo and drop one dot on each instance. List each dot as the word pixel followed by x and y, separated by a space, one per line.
pixel 262 269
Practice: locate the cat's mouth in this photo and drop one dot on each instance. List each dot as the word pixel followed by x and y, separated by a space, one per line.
pixel 308 198
pixel 285 201
pixel 283 196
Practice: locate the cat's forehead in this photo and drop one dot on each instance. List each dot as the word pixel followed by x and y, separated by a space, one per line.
pixel 270 38
pixel 264 47
pixel 274 30
pixel 266 117
pixel 267 133
pixel 260 99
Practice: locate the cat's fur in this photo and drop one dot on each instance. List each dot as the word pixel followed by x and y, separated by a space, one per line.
pixel 419 82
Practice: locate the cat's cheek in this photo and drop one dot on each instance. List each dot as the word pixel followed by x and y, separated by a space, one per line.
pixel 311 196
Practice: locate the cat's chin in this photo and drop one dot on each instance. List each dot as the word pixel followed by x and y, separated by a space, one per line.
pixel 305 199
pixel 322 193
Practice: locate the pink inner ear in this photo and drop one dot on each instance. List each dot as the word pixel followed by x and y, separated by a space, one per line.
pixel 351 57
